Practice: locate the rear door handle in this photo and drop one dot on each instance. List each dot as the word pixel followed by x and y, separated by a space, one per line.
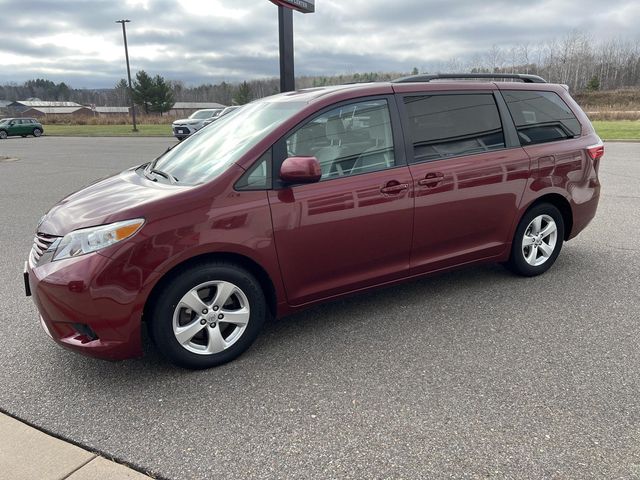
pixel 394 187
pixel 431 179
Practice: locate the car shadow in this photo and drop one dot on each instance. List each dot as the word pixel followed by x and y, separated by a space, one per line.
pixel 348 313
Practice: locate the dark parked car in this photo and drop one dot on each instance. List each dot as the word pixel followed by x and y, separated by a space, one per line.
pixel 20 127
pixel 308 196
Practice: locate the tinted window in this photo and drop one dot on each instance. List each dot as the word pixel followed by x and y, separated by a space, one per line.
pixel 443 126
pixel 258 177
pixel 541 116
pixel 347 140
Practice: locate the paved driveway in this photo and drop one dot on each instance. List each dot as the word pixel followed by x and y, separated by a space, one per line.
pixel 471 374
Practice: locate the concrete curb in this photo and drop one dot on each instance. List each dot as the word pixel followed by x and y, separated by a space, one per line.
pixel 26 453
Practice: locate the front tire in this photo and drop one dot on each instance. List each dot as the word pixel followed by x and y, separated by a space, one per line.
pixel 207 315
pixel 537 241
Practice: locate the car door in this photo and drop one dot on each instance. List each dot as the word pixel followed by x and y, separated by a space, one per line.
pixel 15 127
pixel 469 177
pixel 25 127
pixel 352 229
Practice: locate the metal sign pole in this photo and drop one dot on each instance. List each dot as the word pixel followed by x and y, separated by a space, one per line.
pixel 285 26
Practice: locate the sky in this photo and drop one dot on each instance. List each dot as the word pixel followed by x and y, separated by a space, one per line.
pixel 207 41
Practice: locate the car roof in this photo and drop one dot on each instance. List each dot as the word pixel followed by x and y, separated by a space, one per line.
pixel 343 92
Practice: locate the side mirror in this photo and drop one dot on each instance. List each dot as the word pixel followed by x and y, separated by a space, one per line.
pixel 300 170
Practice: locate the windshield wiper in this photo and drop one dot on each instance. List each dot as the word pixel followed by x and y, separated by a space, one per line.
pixel 152 165
pixel 155 171
pixel 150 168
pixel 166 175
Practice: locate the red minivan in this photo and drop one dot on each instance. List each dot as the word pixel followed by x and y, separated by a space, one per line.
pixel 310 195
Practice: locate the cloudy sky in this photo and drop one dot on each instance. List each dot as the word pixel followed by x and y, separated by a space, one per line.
pixel 199 41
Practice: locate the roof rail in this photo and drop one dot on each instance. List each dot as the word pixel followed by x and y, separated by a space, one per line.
pixel 470 76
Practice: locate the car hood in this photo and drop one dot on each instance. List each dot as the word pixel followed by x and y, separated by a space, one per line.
pixel 120 197
pixel 188 121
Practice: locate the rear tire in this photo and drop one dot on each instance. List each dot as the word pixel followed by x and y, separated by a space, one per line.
pixel 537 241
pixel 37 132
pixel 3 134
pixel 207 315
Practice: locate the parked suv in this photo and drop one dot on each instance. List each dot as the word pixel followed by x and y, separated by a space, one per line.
pixel 308 196
pixel 188 126
pixel 14 127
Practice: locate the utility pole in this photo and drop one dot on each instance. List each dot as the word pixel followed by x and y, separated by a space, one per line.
pixel 126 53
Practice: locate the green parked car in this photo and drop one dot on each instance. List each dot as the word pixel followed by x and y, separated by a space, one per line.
pixel 13 127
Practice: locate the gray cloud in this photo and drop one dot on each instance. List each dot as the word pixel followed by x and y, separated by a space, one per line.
pixel 342 36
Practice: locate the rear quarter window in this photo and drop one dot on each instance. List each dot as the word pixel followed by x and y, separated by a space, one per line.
pixel 541 117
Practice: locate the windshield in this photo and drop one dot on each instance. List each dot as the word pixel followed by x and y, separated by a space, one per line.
pixel 203 114
pixel 210 151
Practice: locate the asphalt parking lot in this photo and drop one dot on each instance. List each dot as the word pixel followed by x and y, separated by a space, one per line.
pixel 470 374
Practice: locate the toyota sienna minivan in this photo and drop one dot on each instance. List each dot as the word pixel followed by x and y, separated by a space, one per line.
pixel 308 196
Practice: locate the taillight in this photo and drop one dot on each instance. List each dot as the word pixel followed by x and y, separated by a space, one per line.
pixel 596 151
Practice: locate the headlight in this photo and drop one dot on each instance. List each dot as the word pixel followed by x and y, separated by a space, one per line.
pixel 87 240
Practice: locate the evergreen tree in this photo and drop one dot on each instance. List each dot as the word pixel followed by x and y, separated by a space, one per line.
pixel 415 71
pixel 163 99
pixel 593 84
pixel 243 94
pixel 143 90
pixel 63 92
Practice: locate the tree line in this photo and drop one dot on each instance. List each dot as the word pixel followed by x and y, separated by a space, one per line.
pixel 576 60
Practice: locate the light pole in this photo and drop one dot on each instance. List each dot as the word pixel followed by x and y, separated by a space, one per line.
pixel 126 53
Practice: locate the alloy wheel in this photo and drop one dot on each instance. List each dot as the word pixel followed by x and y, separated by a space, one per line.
pixel 211 317
pixel 539 241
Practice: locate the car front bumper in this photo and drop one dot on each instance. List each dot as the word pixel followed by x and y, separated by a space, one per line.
pixel 89 304
pixel 183 131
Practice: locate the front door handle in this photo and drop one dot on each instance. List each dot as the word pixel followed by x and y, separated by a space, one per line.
pixel 431 179
pixel 394 187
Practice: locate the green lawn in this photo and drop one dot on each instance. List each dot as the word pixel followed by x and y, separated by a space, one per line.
pixel 108 130
pixel 618 129
pixel 608 130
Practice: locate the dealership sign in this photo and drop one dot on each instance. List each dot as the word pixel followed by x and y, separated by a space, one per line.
pixel 304 6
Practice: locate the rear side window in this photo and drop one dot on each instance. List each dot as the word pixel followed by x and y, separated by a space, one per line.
pixel 541 117
pixel 444 126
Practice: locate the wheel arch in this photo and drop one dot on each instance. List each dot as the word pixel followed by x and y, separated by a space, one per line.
pixel 243 261
pixel 562 204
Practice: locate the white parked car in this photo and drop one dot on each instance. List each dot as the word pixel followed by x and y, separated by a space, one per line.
pixel 188 126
